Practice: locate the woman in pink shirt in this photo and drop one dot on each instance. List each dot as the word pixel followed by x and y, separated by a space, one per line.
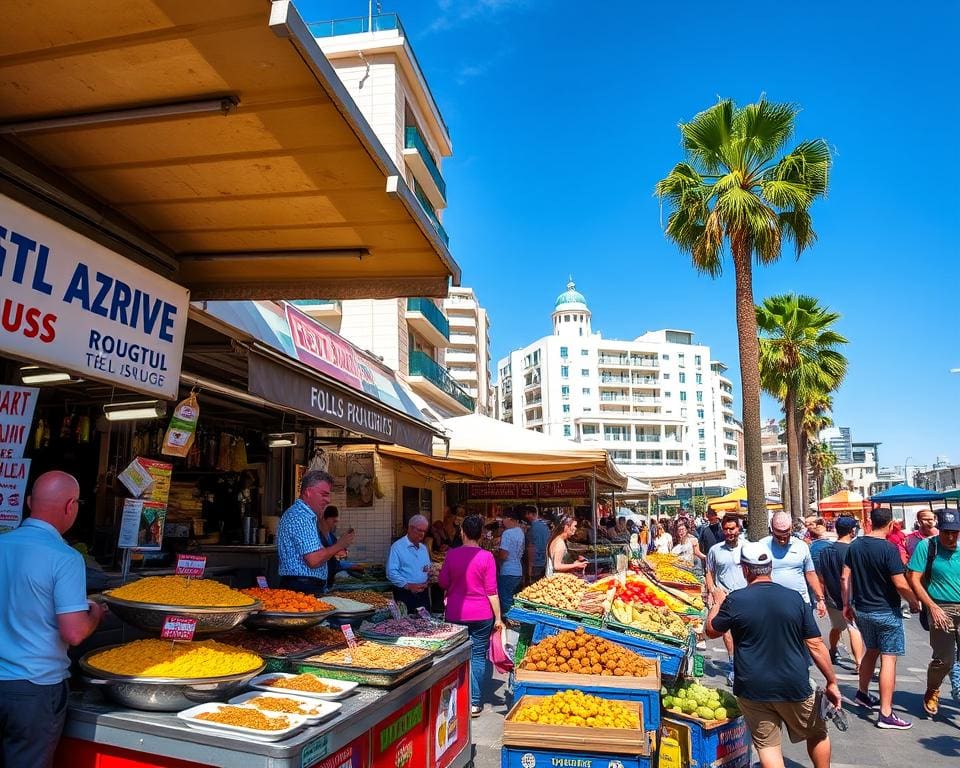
pixel 469 576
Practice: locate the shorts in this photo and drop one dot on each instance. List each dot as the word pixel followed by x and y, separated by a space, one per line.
pixel 837 619
pixel 882 631
pixel 766 718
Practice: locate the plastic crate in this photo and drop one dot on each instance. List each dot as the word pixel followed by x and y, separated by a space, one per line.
pixel 522 757
pixel 559 613
pixel 649 698
pixel 524 641
pixel 727 744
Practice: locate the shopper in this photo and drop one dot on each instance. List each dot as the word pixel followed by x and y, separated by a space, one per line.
pixel 469 576
pixel 558 558
pixel 538 536
pixel 829 565
pixel 926 527
pixel 685 545
pixel 445 534
pixel 328 538
pixel 773 632
pixel 724 575
pixel 711 534
pixel 873 582
pixel 510 554
pixel 661 541
pixel 817 529
pixel 934 574
pixel 408 566
pixel 792 564
pixel 43 611
pixel 303 559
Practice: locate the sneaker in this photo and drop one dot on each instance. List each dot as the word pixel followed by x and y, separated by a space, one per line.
pixel 955 682
pixel 866 700
pixel 834 656
pixel 730 679
pixel 931 702
pixel 893 722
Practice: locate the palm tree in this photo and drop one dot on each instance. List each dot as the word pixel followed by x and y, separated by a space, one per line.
pixel 822 460
pixel 733 190
pixel 814 418
pixel 798 359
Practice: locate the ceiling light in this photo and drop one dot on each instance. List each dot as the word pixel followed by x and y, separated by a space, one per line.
pixel 141 409
pixel 283 439
pixel 34 374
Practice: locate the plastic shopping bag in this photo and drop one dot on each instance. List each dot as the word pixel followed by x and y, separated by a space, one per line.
pixel 498 654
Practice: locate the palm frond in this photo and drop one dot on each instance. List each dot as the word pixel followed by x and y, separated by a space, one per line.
pixel 706 138
pixel 762 130
pixel 797 227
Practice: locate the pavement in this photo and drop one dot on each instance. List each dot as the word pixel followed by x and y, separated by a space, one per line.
pixel 931 743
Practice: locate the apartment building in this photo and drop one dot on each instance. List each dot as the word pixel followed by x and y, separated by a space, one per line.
pixel 775 468
pixel 659 404
pixel 375 61
pixel 468 355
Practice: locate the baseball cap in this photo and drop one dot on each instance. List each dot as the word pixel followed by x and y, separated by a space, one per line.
pixel 754 553
pixel 846 524
pixel 948 520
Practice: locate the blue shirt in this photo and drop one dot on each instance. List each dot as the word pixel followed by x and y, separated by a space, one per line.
pixel 41 577
pixel 816 547
pixel 791 563
pixel 407 563
pixel 723 562
pixel 539 536
pixel 511 542
pixel 297 536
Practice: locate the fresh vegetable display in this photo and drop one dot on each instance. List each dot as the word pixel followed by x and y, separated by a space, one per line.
pixel 578 709
pixel 287 601
pixel 696 700
pixel 371 656
pixel 179 590
pixel 305 682
pixel 414 626
pixel 671 568
pixel 161 658
pixel 245 717
pixel 640 590
pixel 649 618
pixel 284 643
pixel 585 654
pixel 566 592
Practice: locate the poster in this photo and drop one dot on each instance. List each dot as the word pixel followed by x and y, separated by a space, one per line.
pixel 359 479
pixel 399 741
pixel 449 714
pixel 141 525
pixel 16 415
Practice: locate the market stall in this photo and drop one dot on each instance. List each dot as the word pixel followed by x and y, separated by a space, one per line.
pixel 843 503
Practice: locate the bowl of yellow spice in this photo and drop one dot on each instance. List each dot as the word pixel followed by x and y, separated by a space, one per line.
pixel 166 676
pixel 146 602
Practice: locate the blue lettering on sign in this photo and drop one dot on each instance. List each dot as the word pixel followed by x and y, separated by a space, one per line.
pixel 24 247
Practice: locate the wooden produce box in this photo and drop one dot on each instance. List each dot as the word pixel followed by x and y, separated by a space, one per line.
pixel 614 741
pixel 564 680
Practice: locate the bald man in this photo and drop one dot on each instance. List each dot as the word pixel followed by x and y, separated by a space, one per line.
pixel 792 564
pixel 43 610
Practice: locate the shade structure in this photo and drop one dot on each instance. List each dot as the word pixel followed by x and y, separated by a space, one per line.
pixel 840 502
pixel 736 501
pixel 485 449
pixel 906 494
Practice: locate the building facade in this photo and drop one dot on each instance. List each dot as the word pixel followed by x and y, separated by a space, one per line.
pixel 468 353
pixel 659 404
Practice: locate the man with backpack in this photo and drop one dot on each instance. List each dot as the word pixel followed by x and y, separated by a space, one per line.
pixel 829 564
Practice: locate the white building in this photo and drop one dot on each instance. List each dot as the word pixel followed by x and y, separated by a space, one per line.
pixel 658 404
pixel 775 468
pixel 468 356
pixel 380 71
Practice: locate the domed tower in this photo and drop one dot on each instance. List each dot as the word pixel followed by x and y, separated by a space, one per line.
pixel 571 316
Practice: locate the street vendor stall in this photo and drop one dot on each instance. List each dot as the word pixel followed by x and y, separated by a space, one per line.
pixel 843 503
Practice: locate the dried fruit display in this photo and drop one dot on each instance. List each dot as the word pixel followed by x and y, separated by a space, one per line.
pixel 287 601
pixel 245 718
pixel 161 658
pixel 581 653
pixel 179 590
pixel 414 626
pixel 284 643
pixel 375 599
pixel 578 709
pixel 566 592
pixel 305 682
pixel 371 656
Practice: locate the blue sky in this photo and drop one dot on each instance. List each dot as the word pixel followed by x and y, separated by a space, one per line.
pixel 564 115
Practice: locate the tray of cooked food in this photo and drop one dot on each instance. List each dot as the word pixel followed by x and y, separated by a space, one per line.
pixel 304 684
pixel 286 609
pixel 369 663
pixel 281 648
pixel 164 676
pixel 348 608
pixel 243 722
pixel 416 632
pixel 289 704
pixel 147 602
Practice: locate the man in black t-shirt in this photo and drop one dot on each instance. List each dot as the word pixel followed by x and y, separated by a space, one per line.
pixel 773 630
pixel 873 583
pixel 829 566
pixel 710 534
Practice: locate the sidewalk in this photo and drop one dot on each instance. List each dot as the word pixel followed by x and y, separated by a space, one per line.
pixel 931 743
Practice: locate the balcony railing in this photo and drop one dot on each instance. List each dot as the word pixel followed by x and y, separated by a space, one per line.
pixel 648 438
pixel 413 140
pixel 431 213
pixel 610 360
pixel 421 364
pixel 433 314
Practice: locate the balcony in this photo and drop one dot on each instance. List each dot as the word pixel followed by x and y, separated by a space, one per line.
pixel 648 438
pixel 613 360
pixel 428 320
pixel 431 211
pixel 645 362
pixel 323 310
pixel 424 167
pixel 431 379
pixel 606 378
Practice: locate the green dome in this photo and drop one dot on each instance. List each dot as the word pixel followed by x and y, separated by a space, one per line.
pixel 570 296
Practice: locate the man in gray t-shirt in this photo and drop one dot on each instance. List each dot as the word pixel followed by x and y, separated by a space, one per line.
pixel 724 573
pixel 793 566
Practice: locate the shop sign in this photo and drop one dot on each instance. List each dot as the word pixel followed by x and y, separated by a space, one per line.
pixel 323 350
pixel 560 489
pixel 71 304
pixel 329 403
pixel 399 741
pixel 354 755
pixel 16 415
pixel 449 715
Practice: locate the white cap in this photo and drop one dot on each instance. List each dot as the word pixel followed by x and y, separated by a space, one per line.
pixel 755 553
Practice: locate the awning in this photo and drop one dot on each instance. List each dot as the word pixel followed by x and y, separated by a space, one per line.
pixel 840 502
pixel 906 494
pixel 736 501
pixel 297 364
pixel 481 448
pixel 247 170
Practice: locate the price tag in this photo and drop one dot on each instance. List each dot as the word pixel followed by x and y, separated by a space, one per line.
pixel 191 566
pixel 423 613
pixel 262 582
pixel 348 634
pixel 178 628
pixel 394 611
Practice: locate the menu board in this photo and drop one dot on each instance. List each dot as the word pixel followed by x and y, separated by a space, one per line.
pixel 17 405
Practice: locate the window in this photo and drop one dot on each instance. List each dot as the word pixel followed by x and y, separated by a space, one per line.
pixel 563 351
pixel 566 318
pixel 666 377
pixel 703 454
pixel 621 456
pixel 668 394
pixel 699 395
pixel 683 415
pixel 566 407
pixel 680 360
pixel 665 357
pixel 683 397
pixel 700 413
pixel 682 377
pixel 699 378
pixel 701 433
pixel 590 429
pixel 697 360
pixel 584 352
pixel 566 430
pixel 565 391
pixel 564 371
pixel 586 391
pixel 584 371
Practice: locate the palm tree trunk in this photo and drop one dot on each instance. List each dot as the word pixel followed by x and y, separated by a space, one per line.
pixel 797 509
pixel 804 469
pixel 757 525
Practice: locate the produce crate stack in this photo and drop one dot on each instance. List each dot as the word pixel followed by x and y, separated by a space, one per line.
pixel 702 727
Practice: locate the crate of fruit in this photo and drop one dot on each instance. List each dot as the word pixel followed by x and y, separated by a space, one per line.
pixel 539 609
pixel 699 744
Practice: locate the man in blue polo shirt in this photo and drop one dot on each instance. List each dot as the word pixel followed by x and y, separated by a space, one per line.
pixel 408 566
pixel 43 611
pixel 724 573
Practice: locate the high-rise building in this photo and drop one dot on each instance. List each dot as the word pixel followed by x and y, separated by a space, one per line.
pixel 838 438
pixel 659 404
pixel 374 59
pixel 468 356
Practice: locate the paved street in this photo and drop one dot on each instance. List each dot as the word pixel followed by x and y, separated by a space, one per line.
pixel 930 743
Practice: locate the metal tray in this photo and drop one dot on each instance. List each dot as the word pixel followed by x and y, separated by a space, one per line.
pixel 438 645
pixel 380 678
pixel 285 620
pixel 189 717
pixel 210 620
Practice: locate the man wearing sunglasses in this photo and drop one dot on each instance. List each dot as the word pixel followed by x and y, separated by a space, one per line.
pixel 793 565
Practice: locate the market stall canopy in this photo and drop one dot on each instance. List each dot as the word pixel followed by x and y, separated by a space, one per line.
pixel 485 449
pixel 839 502
pixel 905 494
pixel 736 500
pixel 213 143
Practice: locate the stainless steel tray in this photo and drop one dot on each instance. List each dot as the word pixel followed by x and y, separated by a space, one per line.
pixel 210 620
pixel 380 678
pixel 281 620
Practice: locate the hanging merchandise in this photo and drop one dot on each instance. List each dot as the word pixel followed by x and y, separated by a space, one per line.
pixel 319 461
pixel 182 429
pixel 83 430
pixel 239 454
pixel 223 455
pixel 377 489
pixel 38 442
pixel 66 426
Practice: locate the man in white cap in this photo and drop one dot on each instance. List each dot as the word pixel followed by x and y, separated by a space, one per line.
pixel 773 631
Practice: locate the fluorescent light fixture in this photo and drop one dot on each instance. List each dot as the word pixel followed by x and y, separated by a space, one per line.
pixel 34 374
pixel 283 439
pixel 141 409
pixel 205 106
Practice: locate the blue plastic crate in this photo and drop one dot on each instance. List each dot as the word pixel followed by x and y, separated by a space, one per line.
pixel 523 757
pixel 728 744
pixel 650 699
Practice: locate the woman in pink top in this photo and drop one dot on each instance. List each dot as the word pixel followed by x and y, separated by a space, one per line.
pixel 469 576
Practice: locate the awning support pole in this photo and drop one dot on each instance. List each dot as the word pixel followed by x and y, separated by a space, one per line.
pixel 593 507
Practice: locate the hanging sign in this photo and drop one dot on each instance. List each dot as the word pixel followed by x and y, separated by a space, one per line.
pixel 16 415
pixel 178 628
pixel 74 305
pixel 141 525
